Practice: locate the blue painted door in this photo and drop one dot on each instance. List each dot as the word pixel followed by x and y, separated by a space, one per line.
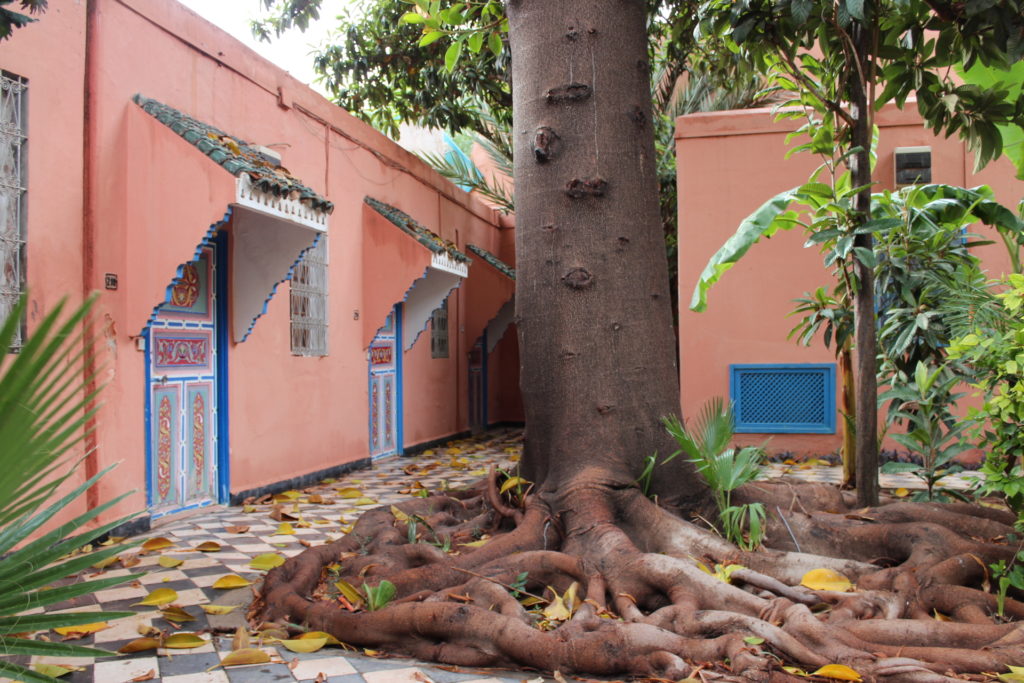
pixel 385 390
pixel 182 392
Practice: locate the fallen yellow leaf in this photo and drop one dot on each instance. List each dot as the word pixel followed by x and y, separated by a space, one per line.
pixel 316 635
pixel 167 562
pixel 208 547
pixel 55 670
pixel 219 609
pixel 838 671
pixel 349 492
pixel 284 529
pixel 161 596
pixel 103 564
pixel 349 591
pixel 1016 674
pixel 249 655
pixel 399 515
pixel 183 641
pixel 81 630
pixel 304 645
pixel 512 481
pixel 176 614
pixel 901 492
pixel 266 561
pixel 231 581
pixel 158 543
pixel 826 580
pixel 476 544
pixel 139 645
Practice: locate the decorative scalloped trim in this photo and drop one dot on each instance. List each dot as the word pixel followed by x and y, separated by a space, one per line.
pixel 249 195
pixel 416 337
pixel 273 290
pixel 207 239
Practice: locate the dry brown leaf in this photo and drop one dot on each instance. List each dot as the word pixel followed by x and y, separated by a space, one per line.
pixel 208 547
pixel 237 528
pixel 176 614
pixel 148 676
pixel 240 641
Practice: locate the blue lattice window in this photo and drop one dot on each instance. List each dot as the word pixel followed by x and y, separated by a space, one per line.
pixel 784 399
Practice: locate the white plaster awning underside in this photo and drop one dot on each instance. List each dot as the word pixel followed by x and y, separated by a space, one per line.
pixel 270 234
pixel 498 325
pixel 428 293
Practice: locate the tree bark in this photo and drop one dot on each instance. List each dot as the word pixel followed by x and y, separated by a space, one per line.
pixel 864 298
pixel 593 306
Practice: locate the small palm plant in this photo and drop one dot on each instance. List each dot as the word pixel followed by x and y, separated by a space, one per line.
pixel 44 408
pixel 724 469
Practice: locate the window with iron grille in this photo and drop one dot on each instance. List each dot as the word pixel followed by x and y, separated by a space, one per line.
pixel 13 134
pixel 784 399
pixel 309 302
pixel 439 331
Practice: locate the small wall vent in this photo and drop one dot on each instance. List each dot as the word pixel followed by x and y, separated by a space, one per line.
pixel 913 165
pixel 784 399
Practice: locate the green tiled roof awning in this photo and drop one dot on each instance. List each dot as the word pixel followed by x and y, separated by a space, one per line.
pixel 416 230
pixel 236 156
pixel 493 260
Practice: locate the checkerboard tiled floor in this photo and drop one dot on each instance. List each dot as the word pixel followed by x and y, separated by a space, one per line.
pixel 245 532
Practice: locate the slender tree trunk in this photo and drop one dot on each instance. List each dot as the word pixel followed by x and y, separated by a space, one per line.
pixel 849 412
pixel 864 298
pixel 593 306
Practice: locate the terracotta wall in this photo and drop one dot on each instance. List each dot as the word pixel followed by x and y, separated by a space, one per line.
pixel 729 164
pixel 154 197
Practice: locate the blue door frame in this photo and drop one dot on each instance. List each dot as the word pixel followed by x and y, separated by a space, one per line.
pixel 384 371
pixel 219 243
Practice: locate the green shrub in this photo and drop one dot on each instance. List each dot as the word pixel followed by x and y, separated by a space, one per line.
pixel 724 469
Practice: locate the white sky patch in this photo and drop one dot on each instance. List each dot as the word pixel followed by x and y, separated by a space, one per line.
pixel 292 51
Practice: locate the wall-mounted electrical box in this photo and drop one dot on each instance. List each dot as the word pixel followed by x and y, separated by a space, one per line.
pixel 913 165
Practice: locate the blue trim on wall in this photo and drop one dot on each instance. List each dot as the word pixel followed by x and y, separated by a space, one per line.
pixel 208 238
pixel 826 426
pixel 220 242
pixel 148 417
pixel 399 383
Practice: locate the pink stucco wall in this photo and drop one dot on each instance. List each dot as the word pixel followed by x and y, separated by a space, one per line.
pixel 729 164
pixel 54 249
pixel 152 197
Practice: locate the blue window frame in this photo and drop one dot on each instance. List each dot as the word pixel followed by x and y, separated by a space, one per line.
pixel 784 399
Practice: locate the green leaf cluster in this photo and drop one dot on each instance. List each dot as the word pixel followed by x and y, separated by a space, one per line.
pixel 994 353
pixel 10 20
pixel 44 411
pixel 724 469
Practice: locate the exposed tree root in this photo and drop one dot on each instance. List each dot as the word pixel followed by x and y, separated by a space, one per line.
pixel 644 600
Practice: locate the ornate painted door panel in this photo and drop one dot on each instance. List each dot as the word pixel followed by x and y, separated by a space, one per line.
pixel 385 387
pixel 182 405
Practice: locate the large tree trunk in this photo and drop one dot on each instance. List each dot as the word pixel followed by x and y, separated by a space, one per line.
pixel 593 306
